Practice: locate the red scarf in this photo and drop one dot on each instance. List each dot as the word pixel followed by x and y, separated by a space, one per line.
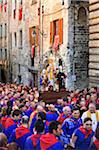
pixel 9 122
pixel 21 131
pixel 3 121
pixel 85 132
pixel 47 141
pixel 96 142
pixel 97 101
pixel 35 138
pixel 50 112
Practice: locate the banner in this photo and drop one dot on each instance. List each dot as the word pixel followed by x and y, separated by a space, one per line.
pixel 1 4
pixel 56 42
pixel 5 5
pixel 33 51
pixel 20 13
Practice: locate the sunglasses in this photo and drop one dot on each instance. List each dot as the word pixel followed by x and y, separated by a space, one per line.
pixel 89 124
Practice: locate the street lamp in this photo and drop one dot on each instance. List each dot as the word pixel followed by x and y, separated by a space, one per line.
pixel 34 35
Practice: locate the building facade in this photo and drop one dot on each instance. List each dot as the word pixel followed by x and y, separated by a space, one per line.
pixel 46 38
pixel 77 49
pixel 19 52
pixel 63 24
pixel 94 43
pixel 4 41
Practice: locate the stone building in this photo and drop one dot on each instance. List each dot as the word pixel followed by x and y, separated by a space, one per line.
pixel 77 49
pixel 94 43
pixel 49 35
pixel 19 52
pixel 68 21
pixel 4 41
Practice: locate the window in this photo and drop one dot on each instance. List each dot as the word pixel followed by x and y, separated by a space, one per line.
pixel 21 39
pixel 5 6
pixel 15 39
pixel 19 76
pixel 19 79
pixel 20 10
pixel 0 31
pixel 21 2
pixel 14 6
pixel 32 61
pixel 11 40
pixel 34 38
pixel 19 68
pixel 56 28
pixel 20 13
pixel 14 13
pixel 82 16
pixel 0 53
pixel 5 53
pixel 5 30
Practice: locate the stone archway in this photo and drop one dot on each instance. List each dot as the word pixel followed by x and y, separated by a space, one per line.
pixel 82 16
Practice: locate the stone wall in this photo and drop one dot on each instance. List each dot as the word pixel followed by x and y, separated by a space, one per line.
pixel 4 44
pixel 78 44
pixel 73 51
pixel 94 43
pixel 20 54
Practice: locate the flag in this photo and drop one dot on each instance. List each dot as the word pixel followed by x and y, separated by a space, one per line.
pixel 20 13
pixel 1 5
pixel 5 5
pixel 56 42
pixel 33 51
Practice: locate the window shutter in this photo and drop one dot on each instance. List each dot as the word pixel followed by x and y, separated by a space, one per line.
pixel 51 33
pixel 60 30
pixel 37 35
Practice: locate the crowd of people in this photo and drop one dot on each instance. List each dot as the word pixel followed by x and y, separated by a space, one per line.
pixel 27 123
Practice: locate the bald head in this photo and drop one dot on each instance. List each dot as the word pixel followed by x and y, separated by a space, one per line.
pixel 92 107
pixel 39 108
pixel 67 110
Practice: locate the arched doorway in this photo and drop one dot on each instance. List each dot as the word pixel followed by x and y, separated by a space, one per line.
pixel 3 76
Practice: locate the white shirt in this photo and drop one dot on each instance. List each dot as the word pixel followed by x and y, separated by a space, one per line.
pixel 94 119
